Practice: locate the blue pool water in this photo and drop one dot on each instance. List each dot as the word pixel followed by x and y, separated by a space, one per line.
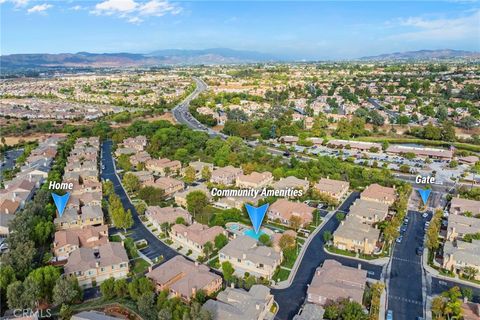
pixel 233 227
pixel 252 234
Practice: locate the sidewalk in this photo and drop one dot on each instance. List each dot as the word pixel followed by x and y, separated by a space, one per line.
pixel 379 262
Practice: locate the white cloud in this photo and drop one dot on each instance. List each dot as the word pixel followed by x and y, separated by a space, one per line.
pixel 76 8
pixel 39 8
pixel 16 3
pixel 110 7
pixel 423 29
pixel 133 11
pixel 158 8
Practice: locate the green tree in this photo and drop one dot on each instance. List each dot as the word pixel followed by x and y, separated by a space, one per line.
pixel 7 276
pixel 327 236
pixel 124 162
pixel 45 278
pixel 206 173
pixel 66 290
pixel 264 239
pixel 66 312
pixel 286 241
pixel 295 222
pixel 221 241
pixel 107 288
pixel 131 182
pixel 146 305
pixel 14 295
pixel 107 188
pixel 228 271
pixel 121 288
pixel 208 249
pixel 189 175
pixel 152 196
pixel 140 286
pixel 197 201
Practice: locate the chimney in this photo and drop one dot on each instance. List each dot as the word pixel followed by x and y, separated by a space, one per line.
pixel 359 266
pixel 257 306
pixel 244 256
pixel 197 264
pixel 232 285
pixel 7 211
pixel 150 268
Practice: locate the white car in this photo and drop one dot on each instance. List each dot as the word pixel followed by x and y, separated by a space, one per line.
pixel 425 214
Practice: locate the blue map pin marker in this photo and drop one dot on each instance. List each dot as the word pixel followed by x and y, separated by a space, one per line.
pixel 60 202
pixel 256 215
pixel 424 193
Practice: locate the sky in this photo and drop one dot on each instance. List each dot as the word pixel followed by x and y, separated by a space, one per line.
pixel 294 29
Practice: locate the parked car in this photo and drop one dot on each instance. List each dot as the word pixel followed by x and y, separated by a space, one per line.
pixel 399 239
pixel 425 215
pixel 419 251
pixel 389 315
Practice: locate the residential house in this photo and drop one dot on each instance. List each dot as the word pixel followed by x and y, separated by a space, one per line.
pixel 239 304
pixel 226 175
pixel 254 180
pixel 459 226
pixel 73 218
pixel 336 189
pixel 333 281
pixel 460 206
pixel 181 196
pixel 376 192
pixel 291 140
pixel 93 266
pixel 198 166
pixel 69 240
pixel 167 184
pixel 144 177
pixel 369 212
pixel 163 166
pixel 157 215
pixel 195 236
pixel 283 210
pixel 183 278
pixel 458 255
pixel 353 235
pixel 246 255
pixel 291 182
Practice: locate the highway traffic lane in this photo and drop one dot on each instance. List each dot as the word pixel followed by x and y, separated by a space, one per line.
pixel 405 284
pixel 138 231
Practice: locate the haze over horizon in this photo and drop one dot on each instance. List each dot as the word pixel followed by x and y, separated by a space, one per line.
pixel 287 29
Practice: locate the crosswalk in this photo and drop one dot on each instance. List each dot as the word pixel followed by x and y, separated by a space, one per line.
pixel 412 301
pixel 406 260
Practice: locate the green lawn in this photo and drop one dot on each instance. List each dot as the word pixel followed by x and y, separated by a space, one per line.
pixel 131 249
pixel 340 251
pixel 115 238
pixel 280 274
pixel 205 216
pixel 139 266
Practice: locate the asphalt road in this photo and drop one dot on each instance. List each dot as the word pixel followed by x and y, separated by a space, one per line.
pixel 405 286
pixel 155 247
pixel 292 298
pixel 440 285
pixel 8 161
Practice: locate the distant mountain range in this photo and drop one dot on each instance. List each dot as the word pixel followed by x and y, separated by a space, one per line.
pixel 212 56
pixel 441 54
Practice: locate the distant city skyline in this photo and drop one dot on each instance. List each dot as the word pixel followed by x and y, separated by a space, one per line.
pixel 300 30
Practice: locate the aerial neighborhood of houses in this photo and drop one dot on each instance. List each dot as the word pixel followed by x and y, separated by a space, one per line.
pixel 367 178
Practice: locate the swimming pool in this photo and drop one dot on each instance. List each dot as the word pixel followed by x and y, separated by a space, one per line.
pixel 241 229
pixel 251 233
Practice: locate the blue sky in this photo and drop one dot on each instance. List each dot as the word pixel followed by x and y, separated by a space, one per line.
pixel 310 30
